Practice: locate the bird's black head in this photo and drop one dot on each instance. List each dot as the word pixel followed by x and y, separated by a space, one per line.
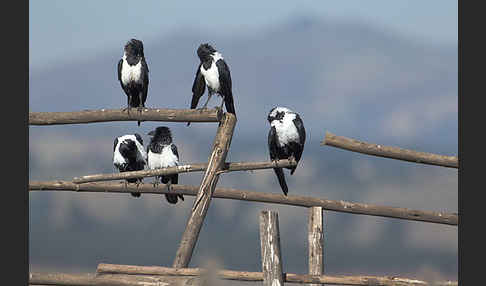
pixel 128 149
pixel 204 52
pixel 277 113
pixel 161 134
pixel 134 48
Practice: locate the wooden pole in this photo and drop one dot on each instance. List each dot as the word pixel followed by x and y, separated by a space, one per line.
pixel 221 145
pixel 390 152
pixel 243 195
pixel 105 115
pixel 270 249
pixel 315 240
pixel 258 276
pixel 109 279
pixel 195 167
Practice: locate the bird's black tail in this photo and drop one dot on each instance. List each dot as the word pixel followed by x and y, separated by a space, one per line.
pixel 136 195
pixel 292 170
pixel 281 180
pixel 230 105
pixel 171 198
pixel 138 123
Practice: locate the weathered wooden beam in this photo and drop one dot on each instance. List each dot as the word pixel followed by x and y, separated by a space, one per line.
pixel 195 167
pixel 258 276
pixel 221 146
pixel 270 249
pixel 315 239
pixel 389 152
pixel 109 279
pixel 243 195
pixel 105 115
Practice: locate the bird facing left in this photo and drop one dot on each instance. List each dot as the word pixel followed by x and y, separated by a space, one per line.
pixel 133 75
pixel 129 155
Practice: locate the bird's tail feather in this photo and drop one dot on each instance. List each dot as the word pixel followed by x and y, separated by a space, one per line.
pixel 281 180
pixel 171 198
pixel 230 105
pixel 292 170
pixel 138 123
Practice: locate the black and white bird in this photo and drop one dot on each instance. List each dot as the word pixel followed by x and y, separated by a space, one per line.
pixel 214 73
pixel 129 155
pixel 286 139
pixel 133 75
pixel 162 153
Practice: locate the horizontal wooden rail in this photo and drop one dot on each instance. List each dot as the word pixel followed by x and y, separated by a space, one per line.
pixel 89 279
pixel 196 167
pixel 234 194
pixel 389 152
pixel 105 115
pixel 104 268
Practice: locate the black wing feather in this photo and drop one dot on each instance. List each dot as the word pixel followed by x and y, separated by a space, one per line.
pixel 173 147
pixel 145 77
pixel 198 87
pixel 272 147
pixel 115 143
pixel 226 85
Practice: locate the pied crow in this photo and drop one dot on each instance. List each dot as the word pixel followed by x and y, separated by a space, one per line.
pixel 129 155
pixel 162 153
pixel 214 73
pixel 133 75
pixel 286 139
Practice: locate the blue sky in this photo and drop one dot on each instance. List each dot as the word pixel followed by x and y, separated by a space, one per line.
pixel 62 30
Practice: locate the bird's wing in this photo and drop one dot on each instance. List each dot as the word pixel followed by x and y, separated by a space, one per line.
pixel 139 138
pixel 145 77
pixel 173 147
pixel 198 87
pixel 120 64
pixel 272 143
pixel 114 144
pixel 225 85
pixel 300 128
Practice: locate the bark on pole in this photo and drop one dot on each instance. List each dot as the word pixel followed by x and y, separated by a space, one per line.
pixel 389 152
pixel 244 195
pixel 270 249
pixel 315 240
pixel 221 145
pixel 106 115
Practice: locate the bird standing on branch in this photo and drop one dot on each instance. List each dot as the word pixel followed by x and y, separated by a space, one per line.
pixel 213 72
pixel 162 153
pixel 133 75
pixel 286 139
pixel 129 155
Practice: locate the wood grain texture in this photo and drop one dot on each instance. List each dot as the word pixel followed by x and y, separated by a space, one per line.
pixel 389 152
pixel 193 167
pixel 270 249
pixel 106 115
pixel 216 160
pixel 315 240
pixel 244 195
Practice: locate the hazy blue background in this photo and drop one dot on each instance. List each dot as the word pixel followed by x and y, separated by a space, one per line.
pixel 378 71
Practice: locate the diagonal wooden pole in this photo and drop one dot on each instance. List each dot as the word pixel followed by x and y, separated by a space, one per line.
pixel 221 145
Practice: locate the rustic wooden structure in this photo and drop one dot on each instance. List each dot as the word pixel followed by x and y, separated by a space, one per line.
pixel 272 272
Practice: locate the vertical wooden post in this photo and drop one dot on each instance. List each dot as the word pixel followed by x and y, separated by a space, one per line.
pixel 221 145
pixel 270 249
pixel 316 242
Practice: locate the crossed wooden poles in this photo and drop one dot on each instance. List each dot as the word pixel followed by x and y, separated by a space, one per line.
pixel 272 272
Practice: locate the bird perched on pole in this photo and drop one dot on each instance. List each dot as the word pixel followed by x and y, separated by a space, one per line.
pixel 214 73
pixel 286 139
pixel 162 153
pixel 133 75
pixel 129 155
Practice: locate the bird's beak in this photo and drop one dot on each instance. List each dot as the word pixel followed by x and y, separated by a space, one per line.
pixel 151 133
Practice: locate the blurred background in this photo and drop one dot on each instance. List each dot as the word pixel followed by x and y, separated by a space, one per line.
pixel 378 71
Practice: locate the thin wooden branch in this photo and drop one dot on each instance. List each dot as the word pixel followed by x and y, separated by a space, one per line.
pixel 315 239
pixel 270 249
pixel 243 195
pixel 105 115
pixel 221 145
pixel 109 279
pixel 258 276
pixel 195 167
pixel 389 152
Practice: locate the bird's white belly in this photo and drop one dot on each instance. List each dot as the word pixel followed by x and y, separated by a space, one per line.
pixel 131 73
pixel 211 76
pixel 162 160
pixel 286 131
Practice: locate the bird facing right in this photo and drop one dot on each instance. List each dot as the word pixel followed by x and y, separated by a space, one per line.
pixel 286 139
